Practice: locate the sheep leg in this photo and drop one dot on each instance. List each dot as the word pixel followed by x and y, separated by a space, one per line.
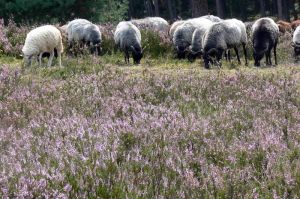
pixel 267 58
pixel 237 54
pixel 51 58
pixel 227 55
pixel 245 53
pixel 270 60
pixel 59 58
pixel 69 49
pixel 127 57
pixel 40 59
pixel 275 54
pixel 98 50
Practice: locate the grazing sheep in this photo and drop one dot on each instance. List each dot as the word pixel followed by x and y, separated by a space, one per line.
pixel 295 24
pixel 174 26
pixel 265 34
pixel 155 23
pixel 84 32
pixel 196 46
pixel 284 26
pixel 40 40
pixel 222 36
pixel 128 38
pixel 296 41
pixel 183 35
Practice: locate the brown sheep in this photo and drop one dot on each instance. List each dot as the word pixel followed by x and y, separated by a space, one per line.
pixel 295 24
pixel 284 26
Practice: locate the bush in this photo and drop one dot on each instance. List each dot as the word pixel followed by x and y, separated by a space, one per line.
pixel 156 44
pixel 12 38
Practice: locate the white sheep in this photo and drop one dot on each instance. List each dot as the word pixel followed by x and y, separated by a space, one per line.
pixel 40 40
pixel 221 36
pixel 86 33
pixel 296 41
pixel 128 38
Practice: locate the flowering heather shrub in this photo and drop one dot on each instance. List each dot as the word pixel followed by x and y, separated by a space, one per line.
pixel 108 43
pixel 128 134
pixel 12 38
pixel 156 44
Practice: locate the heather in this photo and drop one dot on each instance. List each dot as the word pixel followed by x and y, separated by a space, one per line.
pixel 92 129
pixel 98 128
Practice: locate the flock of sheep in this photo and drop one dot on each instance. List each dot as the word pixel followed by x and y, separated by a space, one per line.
pixel 208 37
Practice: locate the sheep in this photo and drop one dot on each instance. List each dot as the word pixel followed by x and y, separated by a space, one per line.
pixel 183 35
pixel 43 39
pixel 212 18
pixel 196 45
pixel 284 26
pixel 296 41
pixel 128 38
pixel 174 26
pixel 155 23
pixel 295 24
pixel 223 36
pixel 84 32
pixel 265 33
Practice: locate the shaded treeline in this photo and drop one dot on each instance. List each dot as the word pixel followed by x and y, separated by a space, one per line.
pixel 116 10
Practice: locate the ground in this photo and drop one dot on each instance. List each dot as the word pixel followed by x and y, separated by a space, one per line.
pixel 98 128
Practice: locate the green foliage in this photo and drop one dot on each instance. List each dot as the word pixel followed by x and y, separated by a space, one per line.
pixel 155 44
pixel 58 11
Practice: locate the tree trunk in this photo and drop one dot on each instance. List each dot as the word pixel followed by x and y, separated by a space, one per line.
pixel 286 9
pixel 148 7
pixel 280 9
pixel 262 6
pixel 130 10
pixel 199 8
pixel 220 8
pixel 156 6
pixel 295 14
pixel 171 11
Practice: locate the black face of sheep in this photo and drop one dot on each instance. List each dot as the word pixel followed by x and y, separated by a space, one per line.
pixel 193 55
pixel 258 55
pixel 137 54
pixel 181 52
pixel 296 48
pixel 210 54
pixel 95 47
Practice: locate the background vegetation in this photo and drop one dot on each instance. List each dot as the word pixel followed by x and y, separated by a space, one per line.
pixel 46 11
pixel 100 128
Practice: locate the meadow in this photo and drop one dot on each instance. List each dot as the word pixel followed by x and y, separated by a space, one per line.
pixel 98 128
